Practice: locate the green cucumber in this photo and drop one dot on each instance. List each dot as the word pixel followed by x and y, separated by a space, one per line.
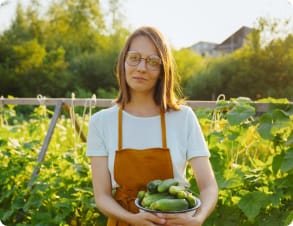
pixel 149 199
pixel 141 194
pixel 182 194
pixel 169 205
pixel 153 185
pixel 191 200
pixel 174 189
pixel 166 184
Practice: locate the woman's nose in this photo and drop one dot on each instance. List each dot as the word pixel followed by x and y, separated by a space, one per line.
pixel 142 64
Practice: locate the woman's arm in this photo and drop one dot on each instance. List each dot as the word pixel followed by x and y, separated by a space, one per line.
pixel 207 185
pixel 107 204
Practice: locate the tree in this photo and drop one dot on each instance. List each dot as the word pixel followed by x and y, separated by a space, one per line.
pixel 68 43
pixel 188 63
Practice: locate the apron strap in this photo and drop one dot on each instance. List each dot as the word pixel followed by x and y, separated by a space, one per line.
pixel 163 128
pixel 120 128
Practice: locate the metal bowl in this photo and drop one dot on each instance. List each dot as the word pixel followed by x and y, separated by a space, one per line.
pixel 190 211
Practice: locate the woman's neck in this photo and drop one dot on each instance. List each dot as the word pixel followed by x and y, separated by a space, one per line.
pixel 142 106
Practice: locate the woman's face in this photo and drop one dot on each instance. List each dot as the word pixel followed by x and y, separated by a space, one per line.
pixel 142 66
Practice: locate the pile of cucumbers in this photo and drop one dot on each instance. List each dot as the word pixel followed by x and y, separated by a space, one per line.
pixel 166 195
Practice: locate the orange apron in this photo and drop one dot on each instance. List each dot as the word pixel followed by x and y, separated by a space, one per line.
pixel 134 168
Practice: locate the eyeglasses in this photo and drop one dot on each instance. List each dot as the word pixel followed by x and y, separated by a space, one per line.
pixel 153 62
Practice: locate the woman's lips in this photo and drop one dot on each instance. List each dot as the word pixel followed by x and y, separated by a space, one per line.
pixel 139 79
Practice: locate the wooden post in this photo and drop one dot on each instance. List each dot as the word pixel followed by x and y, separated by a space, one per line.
pixel 46 142
pixel 76 125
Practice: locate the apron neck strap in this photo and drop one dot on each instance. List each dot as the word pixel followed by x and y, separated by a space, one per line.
pixel 120 128
pixel 163 128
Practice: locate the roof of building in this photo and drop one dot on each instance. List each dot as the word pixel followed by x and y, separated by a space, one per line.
pixel 243 31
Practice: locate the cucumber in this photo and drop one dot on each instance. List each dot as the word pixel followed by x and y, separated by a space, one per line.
pixel 149 199
pixel 166 184
pixel 182 195
pixel 169 205
pixel 153 185
pixel 141 194
pixel 174 189
pixel 191 200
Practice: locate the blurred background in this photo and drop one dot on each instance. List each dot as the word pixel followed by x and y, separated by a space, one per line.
pixel 236 48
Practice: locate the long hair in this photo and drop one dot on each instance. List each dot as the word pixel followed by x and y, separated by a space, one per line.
pixel 167 88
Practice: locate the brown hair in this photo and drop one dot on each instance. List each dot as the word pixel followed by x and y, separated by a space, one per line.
pixel 167 87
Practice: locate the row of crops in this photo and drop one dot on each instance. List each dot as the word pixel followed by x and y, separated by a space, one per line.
pixel 251 153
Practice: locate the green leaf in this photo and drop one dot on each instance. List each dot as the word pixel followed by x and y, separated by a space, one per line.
pixel 251 203
pixel 232 183
pixel 277 162
pixel 281 115
pixel 287 163
pixel 280 104
pixel 265 126
pixel 276 198
pixel 240 113
pixel 223 105
pixel 290 139
pixel 289 218
pixel 7 214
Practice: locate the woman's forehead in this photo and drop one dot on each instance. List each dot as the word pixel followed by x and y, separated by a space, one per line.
pixel 143 45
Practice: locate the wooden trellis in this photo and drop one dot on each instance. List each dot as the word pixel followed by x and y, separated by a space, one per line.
pixel 260 107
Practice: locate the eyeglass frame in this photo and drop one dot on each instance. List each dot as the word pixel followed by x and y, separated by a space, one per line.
pixel 147 59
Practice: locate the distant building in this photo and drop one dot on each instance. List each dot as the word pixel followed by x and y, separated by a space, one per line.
pixel 229 45
pixel 205 48
pixel 234 42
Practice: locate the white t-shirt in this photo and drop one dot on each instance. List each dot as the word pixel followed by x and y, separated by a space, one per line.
pixel 184 136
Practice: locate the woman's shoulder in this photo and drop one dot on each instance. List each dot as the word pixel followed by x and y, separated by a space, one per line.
pixel 185 112
pixel 183 109
pixel 106 112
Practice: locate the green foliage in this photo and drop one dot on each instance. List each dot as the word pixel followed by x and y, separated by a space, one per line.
pixel 67 48
pixel 253 168
pixel 91 71
pixel 257 70
pixel 188 63
pixel 62 192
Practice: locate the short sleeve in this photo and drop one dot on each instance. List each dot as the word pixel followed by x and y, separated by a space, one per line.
pixel 197 145
pixel 95 137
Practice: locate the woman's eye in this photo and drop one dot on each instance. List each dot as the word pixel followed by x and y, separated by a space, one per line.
pixel 154 61
pixel 134 57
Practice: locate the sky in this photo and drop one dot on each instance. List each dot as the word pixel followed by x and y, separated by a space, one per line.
pixel 186 22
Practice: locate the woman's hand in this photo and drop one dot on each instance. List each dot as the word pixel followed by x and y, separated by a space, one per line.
pixel 181 220
pixel 146 219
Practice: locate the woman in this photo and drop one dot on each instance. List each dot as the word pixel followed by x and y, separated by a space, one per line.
pixel 148 134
